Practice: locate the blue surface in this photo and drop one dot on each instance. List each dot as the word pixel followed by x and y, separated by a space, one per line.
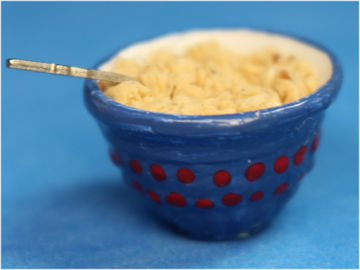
pixel 62 202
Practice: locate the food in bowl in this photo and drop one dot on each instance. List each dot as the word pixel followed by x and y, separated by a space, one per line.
pixel 208 79
pixel 218 176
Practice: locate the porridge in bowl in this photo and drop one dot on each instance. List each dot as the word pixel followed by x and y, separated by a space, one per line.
pixel 208 79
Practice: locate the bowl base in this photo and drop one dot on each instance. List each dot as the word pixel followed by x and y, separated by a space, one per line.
pixel 228 236
pixel 225 236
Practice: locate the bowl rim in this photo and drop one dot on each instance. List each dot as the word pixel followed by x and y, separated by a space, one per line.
pixel 109 111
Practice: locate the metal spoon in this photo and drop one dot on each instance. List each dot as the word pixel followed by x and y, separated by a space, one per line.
pixel 109 77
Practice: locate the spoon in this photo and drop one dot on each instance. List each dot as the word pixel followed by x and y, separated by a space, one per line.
pixel 110 77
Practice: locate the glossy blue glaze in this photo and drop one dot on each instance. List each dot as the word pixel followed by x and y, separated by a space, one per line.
pixel 207 144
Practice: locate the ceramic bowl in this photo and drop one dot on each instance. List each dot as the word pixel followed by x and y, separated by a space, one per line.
pixel 225 176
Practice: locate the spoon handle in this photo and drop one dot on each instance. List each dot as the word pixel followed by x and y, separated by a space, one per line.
pixel 67 70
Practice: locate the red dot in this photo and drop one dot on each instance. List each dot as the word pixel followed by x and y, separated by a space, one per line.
pixel 157 172
pixel 136 166
pixel 315 143
pixel 232 199
pixel 154 196
pixel 204 203
pixel 137 186
pixel 281 188
pixel 256 196
pixel 255 171
pixel 222 178
pixel 115 157
pixel 281 164
pixel 175 199
pixel 185 175
pixel 300 155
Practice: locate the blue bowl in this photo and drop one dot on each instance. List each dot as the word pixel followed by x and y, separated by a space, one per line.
pixel 215 177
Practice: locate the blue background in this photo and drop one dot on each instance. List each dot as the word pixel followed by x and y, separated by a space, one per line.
pixel 63 204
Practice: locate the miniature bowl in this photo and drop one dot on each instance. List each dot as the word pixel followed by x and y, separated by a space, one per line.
pixel 225 176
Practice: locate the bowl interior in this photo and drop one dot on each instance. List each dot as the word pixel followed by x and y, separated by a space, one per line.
pixel 241 41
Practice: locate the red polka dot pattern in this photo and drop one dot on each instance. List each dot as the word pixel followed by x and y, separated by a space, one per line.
pixel 222 178
pixel 280 189
pixel 137 186
pixel 255 171
pixel 257 196
pixel 300 155
pixel 157 172
pixel 315 143
pixel 204 203
pixel 281 164
pixel 136 166
pixel 175 199
pixel 185 175
pixel 115 157
pixel 232 199
pixel 154 196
